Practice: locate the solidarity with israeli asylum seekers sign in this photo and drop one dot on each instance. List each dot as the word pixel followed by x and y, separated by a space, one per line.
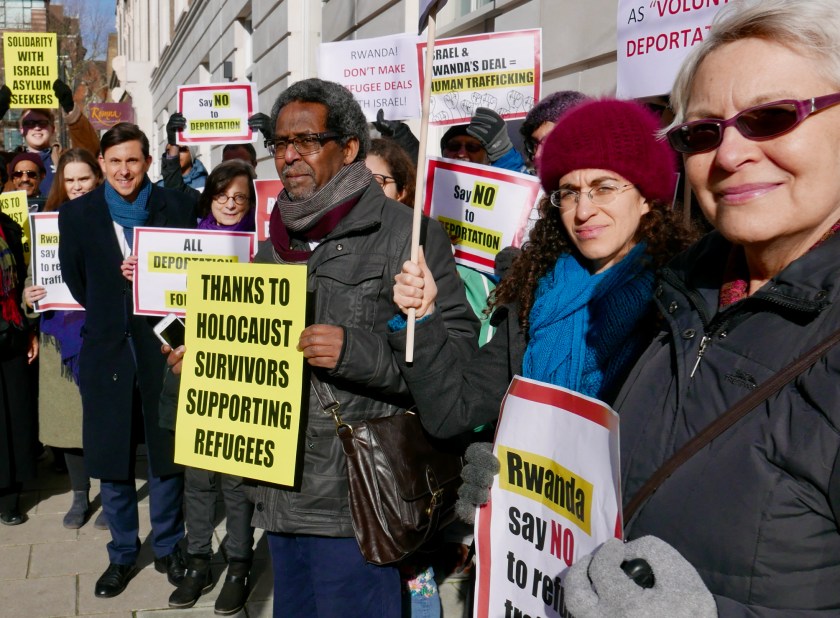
pixel 31 63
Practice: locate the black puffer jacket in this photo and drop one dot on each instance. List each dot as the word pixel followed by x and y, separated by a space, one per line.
pixel 757 510
pixel 352 275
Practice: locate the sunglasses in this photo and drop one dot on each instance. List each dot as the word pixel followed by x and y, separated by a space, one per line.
pixel 756 123
pixel 31 124
pixel 29 174
pixel 455 146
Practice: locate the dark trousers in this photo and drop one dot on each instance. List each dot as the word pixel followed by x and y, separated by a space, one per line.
pixel 119 503
pixel 323 577
pixel 200 510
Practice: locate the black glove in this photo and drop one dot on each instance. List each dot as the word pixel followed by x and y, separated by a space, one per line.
pixel 399 132
pixel 5 99
pixel 599 586
pixel 477 475
pixel 386 127
pixel 490 129
pixel 262 123
pixel 64 95
pixel 176 123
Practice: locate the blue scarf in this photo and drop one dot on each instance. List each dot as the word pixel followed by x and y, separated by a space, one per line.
pixel 129 214
pixel 584 328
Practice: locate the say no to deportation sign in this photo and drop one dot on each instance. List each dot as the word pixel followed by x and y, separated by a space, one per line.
pixel 217 113
pixel 242 390
pixel 31 63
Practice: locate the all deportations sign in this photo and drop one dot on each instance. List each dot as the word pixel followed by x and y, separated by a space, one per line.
pixel 482 209
pixel 242 391
pixel 653 40
pixel 46 269
pixel 217 113
pixel 381 73
pixel 31 63
pixel 16 206
pixel 498 70
pixel 555 499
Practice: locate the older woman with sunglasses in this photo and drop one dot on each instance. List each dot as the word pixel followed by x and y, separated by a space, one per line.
pixel 756 513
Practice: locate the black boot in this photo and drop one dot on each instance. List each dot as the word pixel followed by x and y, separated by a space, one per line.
pixel 77 515
pixel 237 586
pixel 198 580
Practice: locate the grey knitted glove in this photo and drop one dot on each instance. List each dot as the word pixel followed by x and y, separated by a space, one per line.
pixel 477 475
pixel 597 587
pixel 176 123
pixel 490 129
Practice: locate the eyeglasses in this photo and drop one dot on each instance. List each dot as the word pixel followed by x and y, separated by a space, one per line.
pixel 29 174
pixel 383 180
pixel 31 124
pixel 455 146
pixel 566 199
pixel 240 199
pixel 305 144
pixel 756 123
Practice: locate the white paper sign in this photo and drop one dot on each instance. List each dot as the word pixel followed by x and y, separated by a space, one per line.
pixel 46 269
pixel 483 209
pixel 555 499
pixel 381 73
pixel 653 40
pixel 160 278
pixel 217 113
pixel 266 192
pixel 501 71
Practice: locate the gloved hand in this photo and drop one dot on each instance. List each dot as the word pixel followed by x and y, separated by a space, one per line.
pixel 597 587
pixel 399 132
pixel 386 127
pixel 5 100
pixel 477 475
pixel 490 129
pixel 262 123
pixel 64 95
pixel 176 123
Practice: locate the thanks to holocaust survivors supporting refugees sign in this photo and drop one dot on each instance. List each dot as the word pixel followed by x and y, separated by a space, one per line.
pixel 163 254
pixel 266 192
pixel 653 40
pixel 381 73
pixel 46 269
pixel 217 113
pixel 482 209
pixel 16 206
pixel 555 499
pixel 241 401
pixel 501 71
pixel 31 63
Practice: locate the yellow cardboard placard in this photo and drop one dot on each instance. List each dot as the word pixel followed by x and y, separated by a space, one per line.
pixel 240 407
pixel 15 205
pixel 31 63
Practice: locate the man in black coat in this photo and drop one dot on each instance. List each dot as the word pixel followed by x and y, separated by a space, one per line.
pixel 121 368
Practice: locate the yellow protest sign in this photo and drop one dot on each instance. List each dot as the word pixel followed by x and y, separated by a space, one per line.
pixel 31 62
pixel 15 205
pixel 242 390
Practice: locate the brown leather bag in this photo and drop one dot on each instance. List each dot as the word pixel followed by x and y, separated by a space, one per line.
pixel 403 484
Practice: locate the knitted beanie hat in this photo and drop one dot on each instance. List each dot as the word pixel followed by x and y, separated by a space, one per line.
pixel 608 134
pixel 453 131
pixel 32 157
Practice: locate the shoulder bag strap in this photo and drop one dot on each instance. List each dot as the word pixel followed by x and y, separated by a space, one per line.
pixel 727 419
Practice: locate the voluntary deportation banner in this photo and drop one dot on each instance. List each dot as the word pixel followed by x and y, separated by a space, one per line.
pixel 160 278
pixel 483 209
pixel 15 205
pixel 266 192
pixel 31 63
pixel 555 499
pixel 653 40
pixel 242 392
pixel 381 73
pixel 217 113
pixel 46 269
pixel 500 70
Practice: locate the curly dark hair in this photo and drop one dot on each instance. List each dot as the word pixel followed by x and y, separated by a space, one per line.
pixel 402 167
pixel 344 116
pixel 219 179
pixel 661 228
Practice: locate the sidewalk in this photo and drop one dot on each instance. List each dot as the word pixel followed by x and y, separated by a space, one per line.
pixel 47 570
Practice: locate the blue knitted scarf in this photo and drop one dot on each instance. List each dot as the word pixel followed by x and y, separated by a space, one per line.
pixel 129 214
pixel 584 328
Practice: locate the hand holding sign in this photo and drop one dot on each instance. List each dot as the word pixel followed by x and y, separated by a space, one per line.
pixel 174 125
pixel 5 99
pixel 321 345
pixel 415 287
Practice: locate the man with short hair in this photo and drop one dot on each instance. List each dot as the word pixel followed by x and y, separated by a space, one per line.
pixel 121 368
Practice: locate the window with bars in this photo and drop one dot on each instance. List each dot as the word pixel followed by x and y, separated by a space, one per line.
pixel 17 14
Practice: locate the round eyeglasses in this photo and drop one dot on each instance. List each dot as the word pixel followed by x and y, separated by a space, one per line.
pixel 240 199
pixel 601 195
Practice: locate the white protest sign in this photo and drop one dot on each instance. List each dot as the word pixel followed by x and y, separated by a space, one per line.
pixel 160 277
pixel 46 269
pixel 217 113
pixel 653 40
pixel 381 73
pixel 483 209
pixel 501 71
pixel 266 192
pixel 555 499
